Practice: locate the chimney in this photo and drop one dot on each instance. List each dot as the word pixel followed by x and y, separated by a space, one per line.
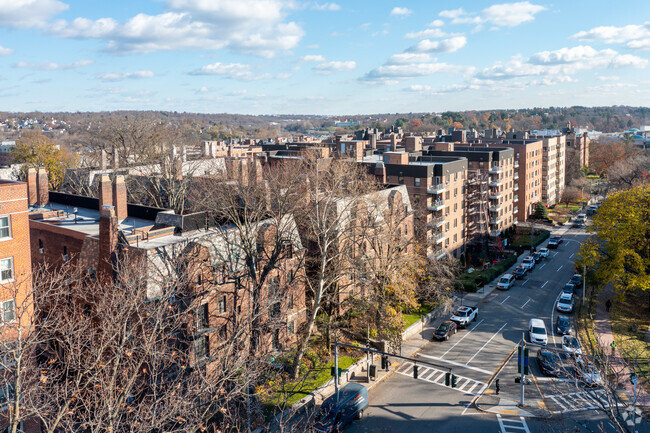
pixel 105 191
pixel 103 160
pixel 32 191
pixel 178 169
pixel 206 148
pixel 412 144
pixel 213 149
pixel 243 171
pixel 183 153
pixel 373 141
pixel 43 187
pixel 174 152
pixel 380 172
pixel 393 142
pixel 116 159
pixel 107 243
pixel 119 198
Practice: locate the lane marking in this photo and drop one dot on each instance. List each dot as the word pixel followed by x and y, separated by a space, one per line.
pixel 558 269
pixel 542 265
pixel 458 364
pixel 469 332
pixel 486 343
pixel 461 379
pixel 571 255
pixel 525 281
pixel 505 300
pixel 552 321
pixel 526 303
pixel 513 425
pixel 544 285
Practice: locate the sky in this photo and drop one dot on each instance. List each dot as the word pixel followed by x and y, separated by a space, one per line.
pixel 321 57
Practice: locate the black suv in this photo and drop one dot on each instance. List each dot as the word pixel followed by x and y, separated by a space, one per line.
pixel 548 362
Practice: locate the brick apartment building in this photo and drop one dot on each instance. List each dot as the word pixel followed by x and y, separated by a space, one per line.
pixel 553 168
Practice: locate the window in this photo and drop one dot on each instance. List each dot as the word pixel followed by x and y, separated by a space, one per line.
pixel 5 227
pixel 8 311
pixel 290 302
pixel 417 181
pixel 223 332
pixel 290 327
pixel 202 317
pixel 222 304
pixel 201 347
pixel 6 269
pixel 40 246
pixel 65 254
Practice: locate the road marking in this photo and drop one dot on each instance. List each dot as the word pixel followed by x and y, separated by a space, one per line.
pixel 510 425
pixel 543 285
pixel 558 269
pixel 508 412
pixel 458 364
pixel 407 370
pixel 571 255
pixel 552 313
pixel 577 401
pixel 505 300
pixel 542 265
pixel 469 332
pixel 525 281
pixel 487 342
pixel 526 303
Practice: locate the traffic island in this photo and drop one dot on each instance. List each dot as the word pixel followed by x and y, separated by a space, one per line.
pixel 508 400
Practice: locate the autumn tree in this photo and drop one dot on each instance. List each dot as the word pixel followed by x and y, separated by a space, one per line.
pixel 35 149
pixel 571 194
pixel 627 173
pixel 605 153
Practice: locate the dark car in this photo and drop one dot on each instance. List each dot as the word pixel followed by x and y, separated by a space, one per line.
pixel 333 417
pixel 554 242
pixel 445 329
pixel 562 325
pixel 549 362
pixel 569 288
pixel 537 256
pixel 520 272
pixel 576 280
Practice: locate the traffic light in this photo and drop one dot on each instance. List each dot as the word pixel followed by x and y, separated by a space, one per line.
pixel 384 362
pixel 447 379
pixel 415 372
pixel 453 381
pixel 332 371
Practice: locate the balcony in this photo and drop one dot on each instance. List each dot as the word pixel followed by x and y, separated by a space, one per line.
pixel 515 209
pixel 436 222
pixel 516 187
pixel 516 163
pixel 516 176
pixel 495 221
pixel 515 199
pixel 494 195
pixel 494 170
pixel 437 237
pixel 436 206
pixel 495 208
pixel 495 182
pixel 437 189
pixel 515 220
pixel 495 233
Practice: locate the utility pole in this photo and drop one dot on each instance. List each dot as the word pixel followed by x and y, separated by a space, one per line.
pixel 634 380
pixel 584 282
pixel 532 235
pixel 336 367
pixel 522 364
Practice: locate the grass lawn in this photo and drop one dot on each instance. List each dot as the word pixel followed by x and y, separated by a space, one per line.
pixel 293 391
pixel 572 207
pixel 414 316
pixel 630 320
pixel 522 238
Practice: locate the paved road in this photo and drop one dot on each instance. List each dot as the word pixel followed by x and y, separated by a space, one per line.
pixel 403 404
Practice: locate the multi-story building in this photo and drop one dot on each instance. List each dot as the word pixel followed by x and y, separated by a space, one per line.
pixel 577 144
pixel 553 168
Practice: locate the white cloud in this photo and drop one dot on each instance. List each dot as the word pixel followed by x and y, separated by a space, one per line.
pixel 120 76
pixel 436 23
pixel 332 7
pixel 444 46
pixel 608 78
pixel 234 71
pixel 5 51
pixel 255 27
pixel 586 57
pixel 393 73
pixel 28 13
pixel 327 68
pixel 52 66
pixel 499 15
pixel 428 33
pixel 634 37
pixel 409 58
pixel 401 12
pixel 313 58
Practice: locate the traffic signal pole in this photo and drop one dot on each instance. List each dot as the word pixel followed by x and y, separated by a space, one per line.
pixel 336 368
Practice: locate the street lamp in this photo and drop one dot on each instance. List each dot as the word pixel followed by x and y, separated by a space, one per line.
pixel 634 381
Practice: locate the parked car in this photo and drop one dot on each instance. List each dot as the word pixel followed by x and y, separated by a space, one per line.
pixel 506 281
pixel 464 314
pixel 544 252
pixel 578 223
pixel 537 256
pixel 537 331
pixel 445 329
pixel 587 372
pixel 568 288
pixel 565 303
pixel 576 280
pixel 333 417
pixel 520 272
pixel 562 325
pixel 549 362
pixel 554 242
pixel 529 262
pixel 571 345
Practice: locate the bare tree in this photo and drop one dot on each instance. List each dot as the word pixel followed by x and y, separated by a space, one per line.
pixel 571 194
pixel 630 172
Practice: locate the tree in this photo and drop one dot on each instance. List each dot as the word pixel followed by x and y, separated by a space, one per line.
pixel 571 194
pixel 622 224
pixel 630 172
pixel 604 153
pixel 541 213
pixel 35 149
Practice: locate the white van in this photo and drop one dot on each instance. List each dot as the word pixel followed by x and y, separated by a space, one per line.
pixel 537 332
pixel 506 281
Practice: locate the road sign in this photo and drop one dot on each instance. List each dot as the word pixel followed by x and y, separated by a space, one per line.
pixel 522 359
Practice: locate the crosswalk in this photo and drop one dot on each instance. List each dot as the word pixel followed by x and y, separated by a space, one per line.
pixel 433 375
pixel 512 425
pixel 575 401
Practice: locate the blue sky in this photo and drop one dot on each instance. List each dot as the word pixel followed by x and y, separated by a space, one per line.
pixel 321 57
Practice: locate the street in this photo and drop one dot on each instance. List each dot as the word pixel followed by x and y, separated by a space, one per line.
pixel 403 404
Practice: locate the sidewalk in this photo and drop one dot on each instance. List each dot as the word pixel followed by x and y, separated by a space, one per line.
pixel 605 337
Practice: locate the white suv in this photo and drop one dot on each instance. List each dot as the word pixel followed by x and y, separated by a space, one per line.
pixel 506 281
pixel 537 332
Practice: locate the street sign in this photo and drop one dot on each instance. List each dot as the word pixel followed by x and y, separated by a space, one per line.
pixel 522 359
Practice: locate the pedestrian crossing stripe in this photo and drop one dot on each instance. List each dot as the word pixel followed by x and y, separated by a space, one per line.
pixel 512 425
pixel 433 375
pixel 577 401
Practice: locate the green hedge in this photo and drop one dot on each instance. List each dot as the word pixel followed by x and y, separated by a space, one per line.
pixel 471 282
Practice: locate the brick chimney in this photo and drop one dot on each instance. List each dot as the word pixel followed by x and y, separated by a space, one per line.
pixel 43 187
pixel 119 197
pixel 32 191
pixel 103 160
pixel 105 191
pixel 373 141
pixel 380 172
pixel 107 242
pixel 116 159
pixel 393 142
pixel 412 144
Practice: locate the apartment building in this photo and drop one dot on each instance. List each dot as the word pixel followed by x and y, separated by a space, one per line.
pixel 577 145
pixel 553 168
pixel 436 187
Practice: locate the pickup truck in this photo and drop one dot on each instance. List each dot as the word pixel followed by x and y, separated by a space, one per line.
pixel 464 314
